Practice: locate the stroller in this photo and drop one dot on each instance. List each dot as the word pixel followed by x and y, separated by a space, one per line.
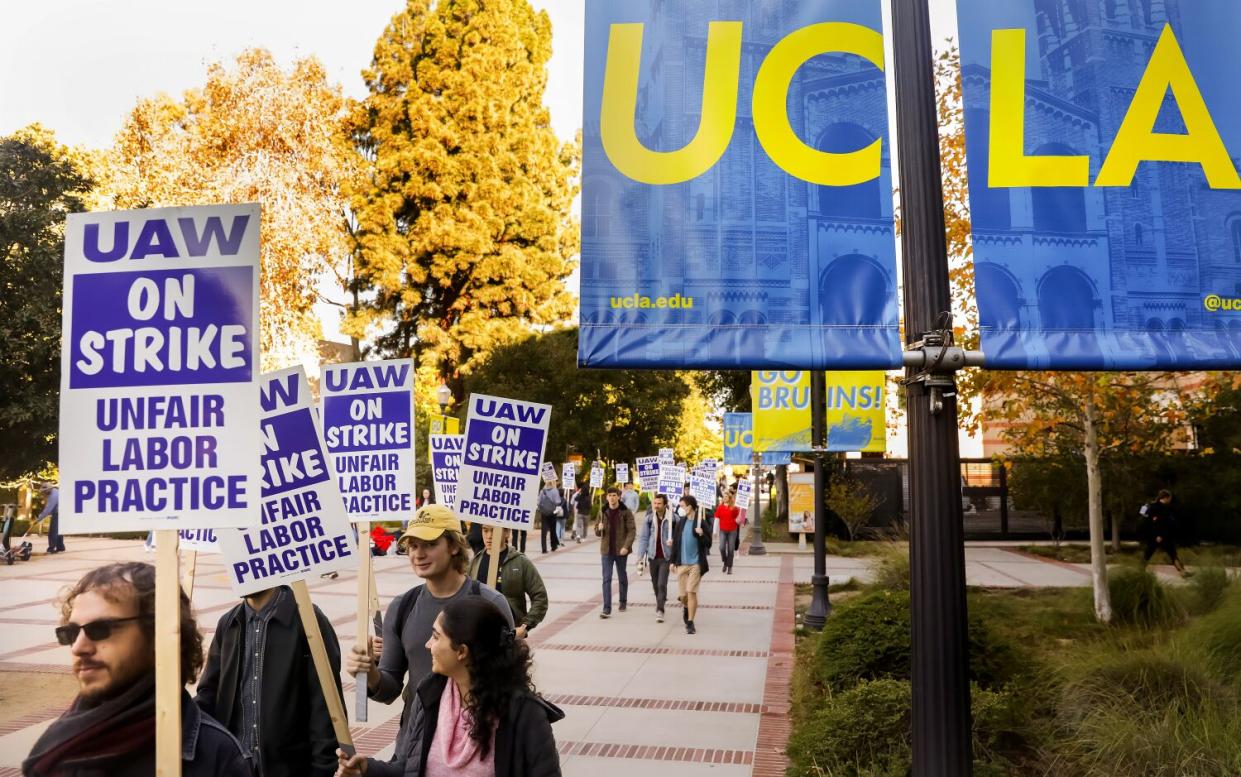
pixel 23 549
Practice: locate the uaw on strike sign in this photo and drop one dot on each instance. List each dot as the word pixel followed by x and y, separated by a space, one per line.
pixel 499 478
pixel 368 421
pixel 158 390
pixel 302 529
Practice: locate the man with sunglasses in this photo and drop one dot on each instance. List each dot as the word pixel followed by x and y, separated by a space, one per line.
pixel 260 682
pixel 108 624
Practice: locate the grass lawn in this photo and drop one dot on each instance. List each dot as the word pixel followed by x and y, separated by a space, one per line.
pixel 1197 555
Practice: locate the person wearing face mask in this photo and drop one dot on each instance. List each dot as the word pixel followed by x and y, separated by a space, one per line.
pixel 477 714
pixel 691 546
pixel 439 555
pixel 616 531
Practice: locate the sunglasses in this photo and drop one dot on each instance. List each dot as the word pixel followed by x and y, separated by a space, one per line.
pixel 96 631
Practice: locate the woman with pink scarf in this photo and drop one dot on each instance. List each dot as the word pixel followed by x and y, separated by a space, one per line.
pixel 476 714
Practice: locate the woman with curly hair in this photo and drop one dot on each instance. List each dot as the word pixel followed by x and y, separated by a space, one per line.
pixel 477 713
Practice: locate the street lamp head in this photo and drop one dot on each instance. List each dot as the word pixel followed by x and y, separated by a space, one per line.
pixel 443 395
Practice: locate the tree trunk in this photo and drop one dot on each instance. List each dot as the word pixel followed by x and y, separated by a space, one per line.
pixel 1094 491
pixel 782 485
pixel 1115 531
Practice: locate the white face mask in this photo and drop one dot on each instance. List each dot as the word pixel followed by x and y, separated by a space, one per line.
pixel 681 511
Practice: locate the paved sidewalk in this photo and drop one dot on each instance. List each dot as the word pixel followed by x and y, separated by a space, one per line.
pixel 635 692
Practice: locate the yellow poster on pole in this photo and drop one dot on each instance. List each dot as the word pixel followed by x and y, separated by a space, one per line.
pixel 445 424
pixel 781 401
pixel 855 411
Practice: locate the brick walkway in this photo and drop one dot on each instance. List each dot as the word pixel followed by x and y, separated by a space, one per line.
pixel 634 691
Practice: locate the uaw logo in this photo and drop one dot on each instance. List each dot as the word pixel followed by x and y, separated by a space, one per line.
pixel 1214 303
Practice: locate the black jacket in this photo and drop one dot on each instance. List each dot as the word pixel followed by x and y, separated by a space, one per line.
pixel 524 745
pixel 704 542
pixel 207 750
pixel 296 738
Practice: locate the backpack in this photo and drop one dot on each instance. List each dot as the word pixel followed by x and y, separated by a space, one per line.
pixel 407 604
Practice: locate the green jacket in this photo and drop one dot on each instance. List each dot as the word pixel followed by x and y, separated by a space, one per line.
pixel 517 580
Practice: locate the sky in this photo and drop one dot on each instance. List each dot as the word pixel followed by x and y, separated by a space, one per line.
pixel 79 66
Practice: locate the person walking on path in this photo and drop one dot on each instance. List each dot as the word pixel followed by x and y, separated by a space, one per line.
pixel 477 714
pixel 551 508
pixel 108 623
pixel 616 531
pixel 55 540
pixel 260 683
pixel 630 498
pixel 518 579
pixel 726 514
pixel 1160 529
pixel 655 549
pixel 439 555
pixel 582 504
pixel 691 546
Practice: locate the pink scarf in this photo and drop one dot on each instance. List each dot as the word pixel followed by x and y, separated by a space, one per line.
pixel 454 753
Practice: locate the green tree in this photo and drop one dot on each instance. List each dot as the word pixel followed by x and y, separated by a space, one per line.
pixel 727 389
pixel 41 182
pixel 463 228
pixel 620 413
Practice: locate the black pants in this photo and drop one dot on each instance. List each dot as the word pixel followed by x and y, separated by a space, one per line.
pixel 1166 547
pixel 659 581
pixel 519 540
pixel 549 530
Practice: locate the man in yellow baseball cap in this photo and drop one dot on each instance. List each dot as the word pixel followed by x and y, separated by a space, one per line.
pixel 438 554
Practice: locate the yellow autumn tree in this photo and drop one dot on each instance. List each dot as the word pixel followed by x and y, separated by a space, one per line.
pixel 463 229
pixel 254 132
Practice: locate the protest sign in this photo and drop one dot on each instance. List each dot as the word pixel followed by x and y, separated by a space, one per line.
pixel 569 473
pixel 648 472
pixel 159 383
pixel 671 482
pixel 703 489
pixel 199 540
pixel 499 482
pixel 667 456
pixel 445 466
pixel 548 473
pixel 744 491
pixel 444 424
pixel 303 530
pixel 367 423
pixel 622 473
pixel 596 477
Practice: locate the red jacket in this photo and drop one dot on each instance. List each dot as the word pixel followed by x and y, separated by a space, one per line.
pixel 727 517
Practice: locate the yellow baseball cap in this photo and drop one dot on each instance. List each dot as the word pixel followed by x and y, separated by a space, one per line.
pixel 429 523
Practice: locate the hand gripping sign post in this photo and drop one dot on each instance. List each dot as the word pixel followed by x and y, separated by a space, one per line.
pixel 303 530
pixel 159 394
pixel 368 422
pixel 499 481
pixel 445 465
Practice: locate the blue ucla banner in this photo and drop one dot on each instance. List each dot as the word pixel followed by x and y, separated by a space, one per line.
pixel 747 224
pixel 739 442
pixel 1101 141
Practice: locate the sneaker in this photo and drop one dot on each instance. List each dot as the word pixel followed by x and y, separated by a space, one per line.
pixel 689 628
pixel 623 607
pixel 605 614
pixel 659 616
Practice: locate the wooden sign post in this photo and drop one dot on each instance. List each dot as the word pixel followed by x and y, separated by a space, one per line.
pixel 323 669
pixel 493 563
pixel 168 685
pixel 187 581
pixel 364 613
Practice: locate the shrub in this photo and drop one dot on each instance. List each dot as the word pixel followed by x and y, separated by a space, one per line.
pixel 862 731
pixel 1139 598
pixel 890 569
pixel 1217 638
pixel 1207 588
pixel 1154 712
pixel 869 638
